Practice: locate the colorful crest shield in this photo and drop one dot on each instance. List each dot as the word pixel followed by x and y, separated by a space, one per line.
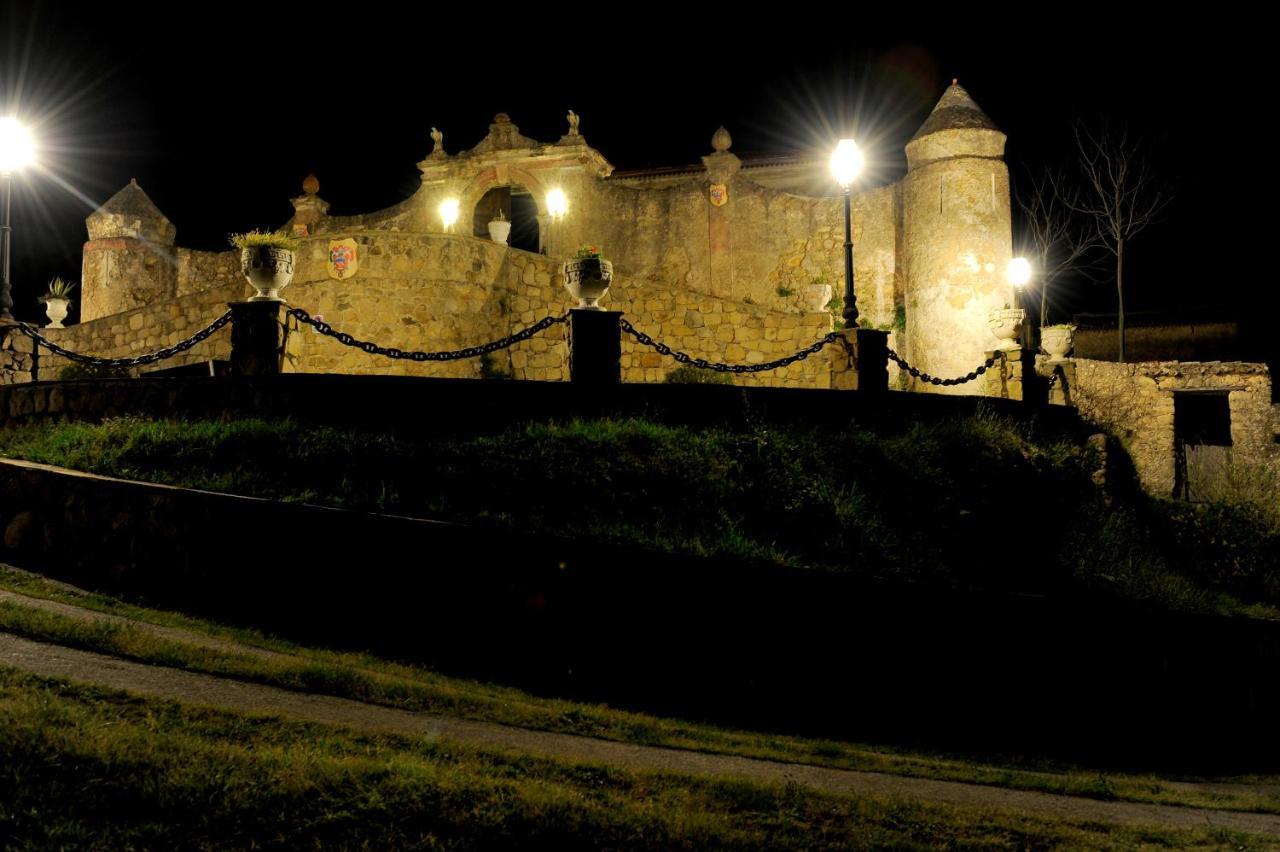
pixel 343 261
pixel 719 194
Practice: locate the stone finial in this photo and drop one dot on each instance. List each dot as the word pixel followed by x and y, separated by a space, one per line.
pixel 723 164
pixel 437 144
pixel 309 207
pixel 573 137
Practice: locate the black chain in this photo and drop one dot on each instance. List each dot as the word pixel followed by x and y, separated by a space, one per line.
pixel 453 355
pixel 150 358
pixel 704 364
pixel 934 380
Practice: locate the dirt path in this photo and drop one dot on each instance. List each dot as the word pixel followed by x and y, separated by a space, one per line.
pixel 85 667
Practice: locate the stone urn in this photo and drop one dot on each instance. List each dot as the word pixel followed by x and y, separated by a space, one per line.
pixel 1006 325
pixel 56 308
pixel 500 229
pixel 1056 340
pixel 268 269
pixel 816 297
pixel 587 279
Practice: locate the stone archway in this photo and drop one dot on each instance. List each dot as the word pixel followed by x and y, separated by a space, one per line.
pixel 515 204
pixel 514 191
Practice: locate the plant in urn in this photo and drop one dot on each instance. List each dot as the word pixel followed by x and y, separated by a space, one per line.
pixel 266 259
pixel 587 277
pixel 57 301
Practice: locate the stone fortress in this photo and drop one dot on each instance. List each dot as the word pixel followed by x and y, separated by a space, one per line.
pixel 734 261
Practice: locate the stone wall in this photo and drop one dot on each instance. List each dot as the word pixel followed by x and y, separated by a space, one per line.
pixel 1135 402
pixel 146 329
pixel 208 270
pixel 438 292
pixel 730 261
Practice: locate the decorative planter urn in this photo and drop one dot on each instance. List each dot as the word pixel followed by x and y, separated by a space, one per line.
pixel 1056 340
pixel 57 311
pixel 816 297
pixel 268 269
pixel 1006 325
pixel 587 279
pixel 500 230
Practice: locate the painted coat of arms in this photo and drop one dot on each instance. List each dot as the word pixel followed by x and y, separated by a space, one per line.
pixel 343 261
pixel 719 194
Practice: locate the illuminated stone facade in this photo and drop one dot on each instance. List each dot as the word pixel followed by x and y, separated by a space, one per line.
pixel 732 260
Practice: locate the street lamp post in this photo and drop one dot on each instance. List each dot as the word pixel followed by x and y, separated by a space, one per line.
pixel 16 151
pixel 846 164
pixel 1019 274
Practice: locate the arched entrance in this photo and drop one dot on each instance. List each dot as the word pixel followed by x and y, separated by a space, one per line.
pixel 517 205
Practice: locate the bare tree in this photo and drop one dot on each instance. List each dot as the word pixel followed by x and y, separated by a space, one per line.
pixel 1062 240
pixel 1119 192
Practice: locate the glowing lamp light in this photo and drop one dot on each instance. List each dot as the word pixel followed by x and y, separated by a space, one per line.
pixel 557 202
pixel 17 148
pixel 846 162
pixel 1019 272
pixel 449 212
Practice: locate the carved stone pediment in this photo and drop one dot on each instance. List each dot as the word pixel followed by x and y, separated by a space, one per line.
pixel 504 136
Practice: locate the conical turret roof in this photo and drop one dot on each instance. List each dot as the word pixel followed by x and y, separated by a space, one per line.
pixel 132 201
pixel 955 110
pixel 130 213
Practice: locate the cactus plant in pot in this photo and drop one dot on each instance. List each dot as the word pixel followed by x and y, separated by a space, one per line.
pixel 57 300
pixel 266 259
pixel 587 277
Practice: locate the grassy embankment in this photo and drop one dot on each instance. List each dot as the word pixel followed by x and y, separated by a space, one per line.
pixel 373 680
pixel 921 505
pixel 89 768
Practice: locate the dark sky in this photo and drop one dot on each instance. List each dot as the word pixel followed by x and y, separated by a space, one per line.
pixel 220 111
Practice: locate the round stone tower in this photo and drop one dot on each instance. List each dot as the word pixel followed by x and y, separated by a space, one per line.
pixel 129 259
pixel 957 236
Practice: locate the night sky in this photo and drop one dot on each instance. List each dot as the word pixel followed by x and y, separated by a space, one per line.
pixel 219 114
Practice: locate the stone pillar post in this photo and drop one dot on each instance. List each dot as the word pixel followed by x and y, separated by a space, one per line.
pixel 1009 377
pixel 257 338
pixel 595 347
pixel 17 355
pixel 1059 378
pixel 722 166
pixel 864 364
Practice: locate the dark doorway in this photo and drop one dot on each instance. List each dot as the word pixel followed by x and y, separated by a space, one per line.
pixel 517 206
pixel 1202 442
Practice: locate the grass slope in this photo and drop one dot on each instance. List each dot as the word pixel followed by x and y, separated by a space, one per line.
pixel 914 506
pixel 370 679
pixel 89 768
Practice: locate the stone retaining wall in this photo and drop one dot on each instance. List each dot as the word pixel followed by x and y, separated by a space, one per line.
pixel 146 329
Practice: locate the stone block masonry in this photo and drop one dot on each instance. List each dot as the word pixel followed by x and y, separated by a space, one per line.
pixel 735 261
pixel 1135 402
pixel 440 292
